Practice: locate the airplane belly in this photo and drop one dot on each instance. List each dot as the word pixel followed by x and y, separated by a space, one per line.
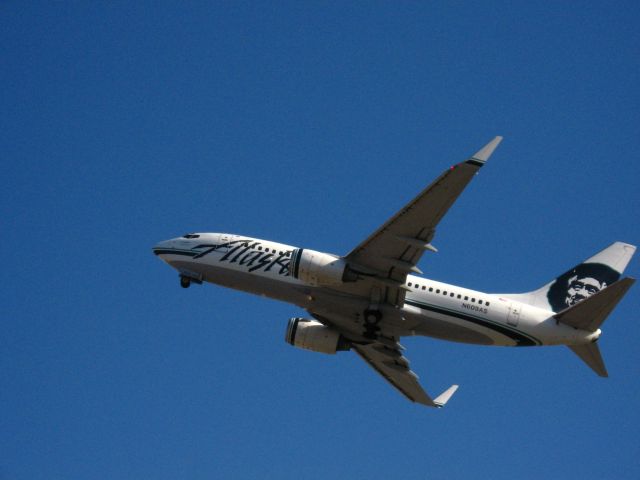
pixel 437 326
pixel 447 323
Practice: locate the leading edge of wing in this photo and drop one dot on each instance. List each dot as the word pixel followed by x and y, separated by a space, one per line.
pixel 394 367
pixel 396 247
pixel 478 160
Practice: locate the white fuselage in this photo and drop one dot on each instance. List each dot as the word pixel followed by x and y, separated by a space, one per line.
pixel 431 308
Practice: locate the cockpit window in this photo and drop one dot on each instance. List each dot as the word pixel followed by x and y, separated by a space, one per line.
pixel 191 235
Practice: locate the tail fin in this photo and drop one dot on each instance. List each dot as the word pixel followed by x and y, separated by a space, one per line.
pixel 582 281
pixel 589 315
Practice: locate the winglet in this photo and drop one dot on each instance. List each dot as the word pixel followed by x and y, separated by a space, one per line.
pixel 444 397
pixel 485 152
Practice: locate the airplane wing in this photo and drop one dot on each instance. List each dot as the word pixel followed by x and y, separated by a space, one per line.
pixel 385 356
pixel 389 362
pixel 392 251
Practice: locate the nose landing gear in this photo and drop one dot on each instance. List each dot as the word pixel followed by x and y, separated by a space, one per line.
pixel 187 278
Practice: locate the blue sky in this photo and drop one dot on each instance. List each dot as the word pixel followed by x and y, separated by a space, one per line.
pixel 308 123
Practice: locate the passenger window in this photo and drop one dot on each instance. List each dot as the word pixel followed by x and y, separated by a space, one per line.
pixel 473 300
pixel 459 296
pixel 409 283
pixel 487 304
pixel 424 288
pixel 466 298
pixel 431 289
pixel 480 302
pixel 452 294
pixel 259 248
pixel 417 286
pixel 438 291
pixel 444 293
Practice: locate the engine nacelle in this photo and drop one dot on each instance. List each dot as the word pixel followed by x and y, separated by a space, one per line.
pixel 313 335
pixel 319 269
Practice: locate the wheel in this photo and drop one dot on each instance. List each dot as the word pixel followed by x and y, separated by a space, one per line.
pixel 372 317
pixel 185 282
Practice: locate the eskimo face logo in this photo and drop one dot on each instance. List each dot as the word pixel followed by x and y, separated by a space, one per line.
pixel 581 288
pixel 580 283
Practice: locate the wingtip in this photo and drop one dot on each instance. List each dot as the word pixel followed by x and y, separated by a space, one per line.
pixel 444 397
pixel 485 152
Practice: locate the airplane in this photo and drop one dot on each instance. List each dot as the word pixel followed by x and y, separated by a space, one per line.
pixel 370 298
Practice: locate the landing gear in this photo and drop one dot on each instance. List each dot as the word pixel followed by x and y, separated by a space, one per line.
pixel 185 282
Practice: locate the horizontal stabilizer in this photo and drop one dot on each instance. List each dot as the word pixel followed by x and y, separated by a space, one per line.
pixel 590 313
pixel 444 397
pixel 590 354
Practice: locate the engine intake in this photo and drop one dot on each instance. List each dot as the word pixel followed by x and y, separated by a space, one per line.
pixel 319 269
pixel 313 335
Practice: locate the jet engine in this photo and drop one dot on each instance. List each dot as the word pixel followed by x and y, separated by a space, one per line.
pixel 319 269
pixel 313 335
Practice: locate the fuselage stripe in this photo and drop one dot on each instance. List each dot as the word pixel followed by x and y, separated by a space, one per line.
pixel 172 251
pixel 519 337
pixel 296 261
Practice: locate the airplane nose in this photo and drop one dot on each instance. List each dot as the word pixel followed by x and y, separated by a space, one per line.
pixel 162 247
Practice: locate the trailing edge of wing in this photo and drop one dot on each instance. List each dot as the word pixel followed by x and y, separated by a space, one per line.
pixel 394 367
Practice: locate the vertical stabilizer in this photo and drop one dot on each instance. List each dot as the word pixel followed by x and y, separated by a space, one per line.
pixel 582 281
